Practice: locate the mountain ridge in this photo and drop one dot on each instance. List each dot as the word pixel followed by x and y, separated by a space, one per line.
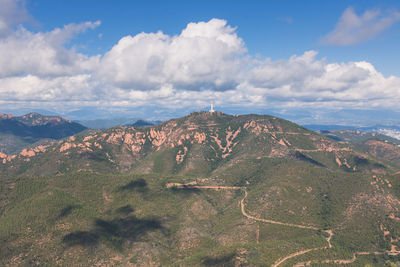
pixel 200 139
pixel 19 132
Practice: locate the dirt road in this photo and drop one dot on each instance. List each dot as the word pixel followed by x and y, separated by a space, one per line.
pixel 295 254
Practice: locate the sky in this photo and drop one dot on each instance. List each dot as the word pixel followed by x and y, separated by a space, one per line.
pixel 307 61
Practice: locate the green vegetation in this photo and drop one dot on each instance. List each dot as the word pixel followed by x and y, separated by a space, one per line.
pixel 105 198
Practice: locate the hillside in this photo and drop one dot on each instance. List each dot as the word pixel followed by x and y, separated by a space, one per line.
pixel 377 145
pixel 141 123
pixel 17 133
pixel 208 189
pixel 357 136
pixel 199 143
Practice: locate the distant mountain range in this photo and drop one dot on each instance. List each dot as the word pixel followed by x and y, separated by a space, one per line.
pixel 143 123
pixel 18 132
pixel 21 131
pixel 113 122
pixel 389 130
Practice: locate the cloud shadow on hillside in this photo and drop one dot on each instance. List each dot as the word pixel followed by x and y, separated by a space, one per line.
pixel 139 185
pixel 300 156
pixel 185 190
pixel 114 233
pixel 223 260
pixel 81 238
pixel 67 210
pixel 125 209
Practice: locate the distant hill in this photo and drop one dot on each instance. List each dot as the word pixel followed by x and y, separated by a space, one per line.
pixel 378 145
pixel 109 123
pixel 143 123
pixel 19 132
pixel 106 123
pixel 357 136
pixel 388 130
pixel 319 127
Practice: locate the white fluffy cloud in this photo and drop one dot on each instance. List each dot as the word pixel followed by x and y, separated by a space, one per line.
pixel 353 29
pixel 309 80
pixel 12 12
pixel 57 89
pixel 206 61
pixel 44 54
pixel 206 55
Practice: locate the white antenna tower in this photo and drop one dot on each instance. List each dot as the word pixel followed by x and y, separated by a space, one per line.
pixel 212 108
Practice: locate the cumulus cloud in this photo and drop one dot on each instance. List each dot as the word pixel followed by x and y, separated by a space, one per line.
pixel 305 80
pixel 207 60
pixel 44 54
pixel 12 12
pixel 353 29
pixel 57 89
pixel 206 55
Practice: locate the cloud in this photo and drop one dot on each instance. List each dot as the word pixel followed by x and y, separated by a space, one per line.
pixel 12 12
pixel 55 89
pixel 307 81
pixel 206 55
pixel 352 29
pixel 206 61
pixel 44 54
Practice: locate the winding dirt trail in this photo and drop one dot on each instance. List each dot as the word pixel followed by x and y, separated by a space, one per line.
pixel 298 253
pixel 242 206
pixel 295 254
pixel 177 185
pixel 280 261
pixel 347 261
pixel 341 261
pixel 270 221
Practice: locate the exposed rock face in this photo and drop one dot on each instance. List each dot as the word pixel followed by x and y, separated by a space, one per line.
pixel 17 133
pixel 34 119
pixel 6 116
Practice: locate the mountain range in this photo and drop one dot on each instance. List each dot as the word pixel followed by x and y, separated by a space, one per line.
pixel 19 132
pixel 207 189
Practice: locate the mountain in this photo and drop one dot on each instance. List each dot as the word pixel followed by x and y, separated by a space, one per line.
pixel 388 130
pixel 357 136
pixel 22 111
pixel 198 143
pixel 19 132
pixel 208 189
pixel 375 144
pixel 109 123
pixel 142 123
pixel 106 123
pixel 323 127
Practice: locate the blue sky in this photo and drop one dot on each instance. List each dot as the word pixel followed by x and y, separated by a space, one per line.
pixel 274 56
pixel 276 29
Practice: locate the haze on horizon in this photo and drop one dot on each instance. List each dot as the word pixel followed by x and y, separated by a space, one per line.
pixel 310 62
